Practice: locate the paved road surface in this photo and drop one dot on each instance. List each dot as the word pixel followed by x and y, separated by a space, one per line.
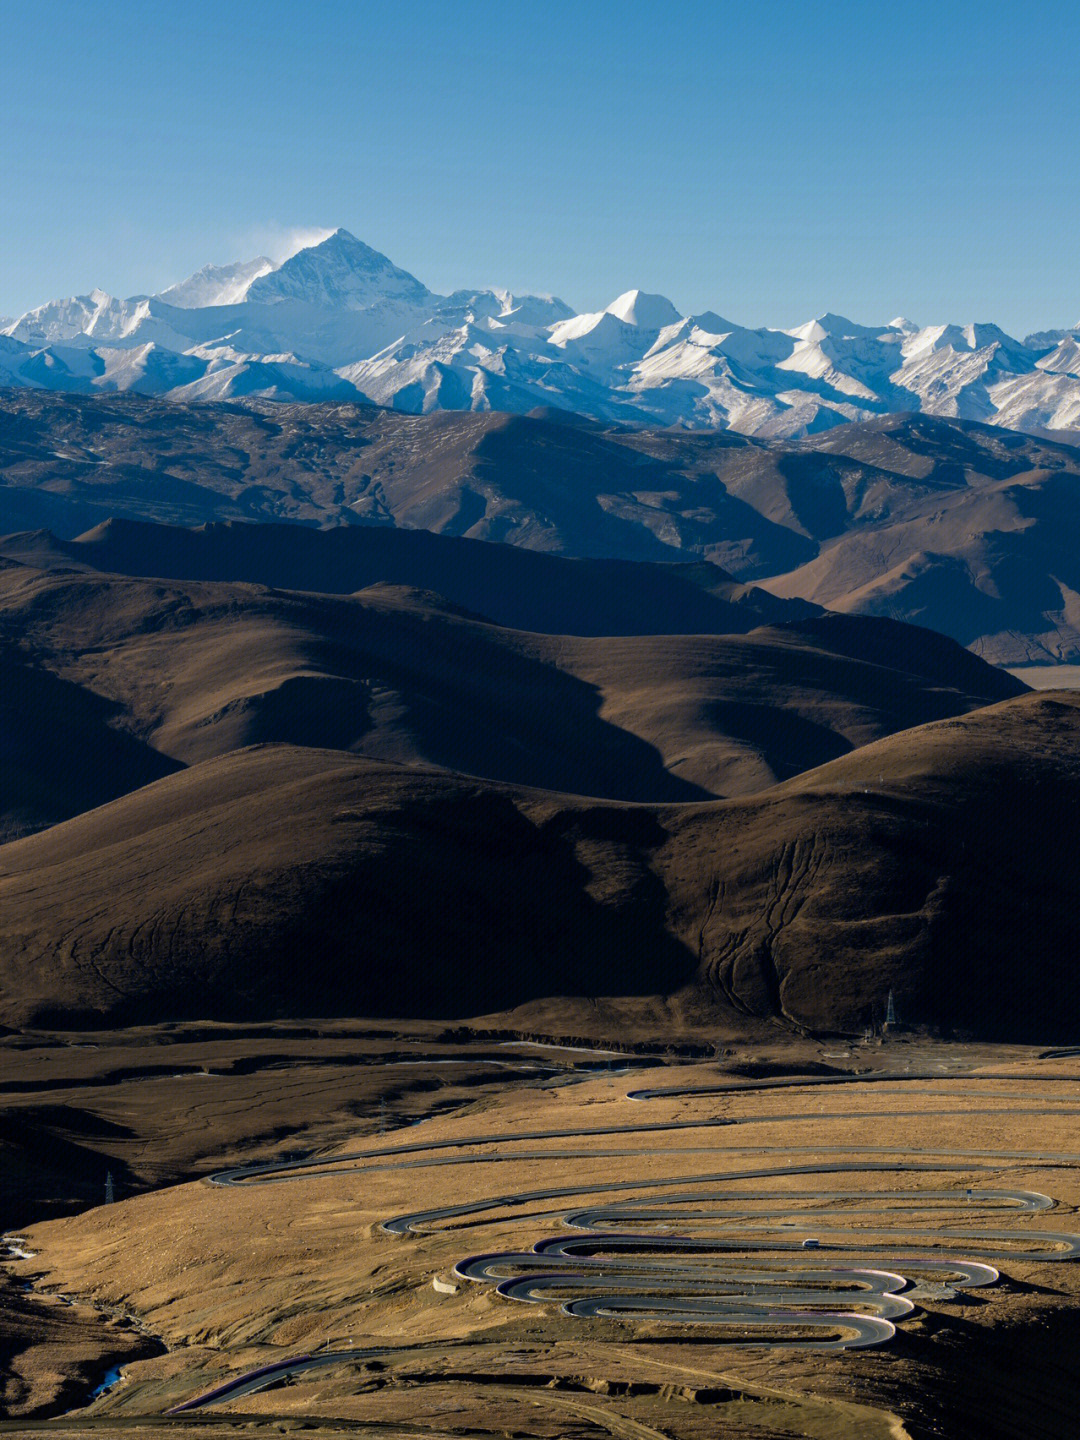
pixel 743 1271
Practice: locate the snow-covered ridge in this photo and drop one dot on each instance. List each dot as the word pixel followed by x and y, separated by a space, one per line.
pixel 217 284
pixel 338 320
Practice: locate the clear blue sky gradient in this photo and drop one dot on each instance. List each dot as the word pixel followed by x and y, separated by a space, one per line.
pixel 769 159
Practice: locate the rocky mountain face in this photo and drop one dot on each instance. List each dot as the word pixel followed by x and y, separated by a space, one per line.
pixel 338 320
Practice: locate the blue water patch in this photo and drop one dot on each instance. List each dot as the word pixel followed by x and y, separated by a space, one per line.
pixel 111 1378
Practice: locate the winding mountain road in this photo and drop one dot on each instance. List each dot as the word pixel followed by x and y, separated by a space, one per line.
pixel 686 1249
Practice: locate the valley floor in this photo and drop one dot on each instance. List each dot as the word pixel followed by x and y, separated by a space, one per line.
pixel 401 1262
pixel 1048 677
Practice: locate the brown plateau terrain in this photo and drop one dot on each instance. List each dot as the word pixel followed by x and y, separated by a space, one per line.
pixel 888 868
pixel 571 987
pixel 965 528
pixel 522 589
pixel 111 681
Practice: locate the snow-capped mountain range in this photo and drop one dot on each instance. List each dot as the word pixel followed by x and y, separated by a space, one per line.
pixel 338 321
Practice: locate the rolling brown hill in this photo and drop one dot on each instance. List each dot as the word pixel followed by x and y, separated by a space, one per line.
pixel 172 672
pixel 995 566
pixel 280 881
pixel 550 481
pixel 506 584
pixel 60 749
pixel 966 528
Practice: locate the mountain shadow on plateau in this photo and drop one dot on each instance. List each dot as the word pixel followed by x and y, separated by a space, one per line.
pixel 52 1161
pixel 23 508
pixel 1009 979
pixel 815 491
pixel 788 742
pixel 896 644
pixel 59 751
pixel 737 537
pixel 505 919
pixel 321 710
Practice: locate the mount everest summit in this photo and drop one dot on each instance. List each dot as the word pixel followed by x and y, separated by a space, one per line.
pixel 338 321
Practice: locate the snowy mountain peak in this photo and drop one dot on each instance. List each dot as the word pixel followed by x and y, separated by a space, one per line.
pixel 1064 359
pixel 340 272
pixel 709 323
pixel 216 284
pixel 339 321
pixel 832 327
pixel 645 312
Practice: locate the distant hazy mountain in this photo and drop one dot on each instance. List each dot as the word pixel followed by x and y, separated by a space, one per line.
pixel 338 320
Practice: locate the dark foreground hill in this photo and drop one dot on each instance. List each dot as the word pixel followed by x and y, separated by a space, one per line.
pixel 281 881
pixel 112 681
pixel 966 528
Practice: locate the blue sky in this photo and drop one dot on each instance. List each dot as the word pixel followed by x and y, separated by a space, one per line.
pixel 768 159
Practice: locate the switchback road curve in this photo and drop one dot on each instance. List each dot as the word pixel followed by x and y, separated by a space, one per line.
pixel 738 1262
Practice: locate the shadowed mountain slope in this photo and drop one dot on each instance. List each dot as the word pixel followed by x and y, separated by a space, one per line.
pixel 176 672
pixel 400 889
pixel 60 750
pixel 279 881
pixel 934 863
pixel 510 586
pixel 997 567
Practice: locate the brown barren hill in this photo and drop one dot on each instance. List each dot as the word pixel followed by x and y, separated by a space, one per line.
pixel 174 672
pixel 521 588
pixel 994 566
pixel 935 863
pixel 283 881
pixel 280 881
pixel 967 528
pixel 60 749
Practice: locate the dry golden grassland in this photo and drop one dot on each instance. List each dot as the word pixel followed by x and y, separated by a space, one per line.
pixel 233 1277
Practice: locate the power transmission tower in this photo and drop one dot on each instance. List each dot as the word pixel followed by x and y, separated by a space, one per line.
pixel 890 1013
pixel 110 1188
